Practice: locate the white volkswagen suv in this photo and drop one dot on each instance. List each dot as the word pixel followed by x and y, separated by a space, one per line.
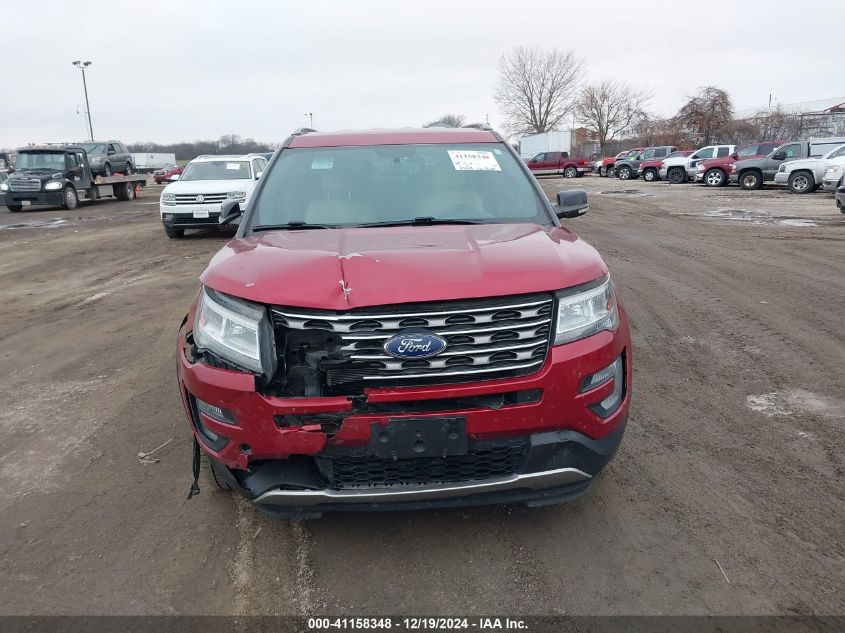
pixel 193 201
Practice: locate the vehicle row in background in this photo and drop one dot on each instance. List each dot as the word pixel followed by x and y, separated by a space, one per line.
pixel 165 174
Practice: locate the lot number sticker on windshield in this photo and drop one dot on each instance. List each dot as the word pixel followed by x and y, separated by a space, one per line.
pixel 322 162
pixel 233 166
pixel 464 160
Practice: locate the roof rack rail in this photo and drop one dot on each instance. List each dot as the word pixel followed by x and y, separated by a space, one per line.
pixel 302 130
pixel 478 126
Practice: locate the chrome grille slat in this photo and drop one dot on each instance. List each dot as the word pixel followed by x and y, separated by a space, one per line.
pixel 24 185
pixel 487 339
pixel 208 198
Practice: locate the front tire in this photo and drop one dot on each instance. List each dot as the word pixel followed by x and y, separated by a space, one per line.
pixel 603 172
pixel 624 173
pixel 14 208
pixel 129 171
pixel 611 172
pixel 750 180
pixel 715 178
pixel 208 472
pixel 650 175
pixel 570 172
pixel 677 175
pixel 107 170
pixel 71 200
pixel 174 234
pixel 801 182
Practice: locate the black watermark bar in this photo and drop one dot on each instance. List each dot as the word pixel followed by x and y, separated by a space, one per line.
pixel 483 624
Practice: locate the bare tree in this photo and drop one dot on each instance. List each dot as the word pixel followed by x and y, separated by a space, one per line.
pixel 537 89
pixel 611 108
pixel 707 116
pixel 447 120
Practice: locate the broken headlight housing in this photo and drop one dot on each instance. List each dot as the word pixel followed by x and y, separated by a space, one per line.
pixel 237 331
pixel 583 313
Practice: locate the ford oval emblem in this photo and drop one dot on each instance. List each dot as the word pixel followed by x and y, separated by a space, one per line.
pixel 414 345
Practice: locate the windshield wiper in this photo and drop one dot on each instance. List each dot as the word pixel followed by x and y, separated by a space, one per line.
pixel 290 226
pixel 421 221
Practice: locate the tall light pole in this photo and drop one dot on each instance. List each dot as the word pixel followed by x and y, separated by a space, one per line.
pixel 82 66
pixel 310 116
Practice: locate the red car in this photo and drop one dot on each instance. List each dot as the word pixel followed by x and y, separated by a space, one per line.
pixel 402 322
pixel 650 169
pixel 605 166
pixel 715 172
pixel 558 163
pixel 163 175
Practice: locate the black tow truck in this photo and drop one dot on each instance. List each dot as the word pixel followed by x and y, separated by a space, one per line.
pixel 61 175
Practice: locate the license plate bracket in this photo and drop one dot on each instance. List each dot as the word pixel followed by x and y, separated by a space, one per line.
pixel 406 438
pixel 200 213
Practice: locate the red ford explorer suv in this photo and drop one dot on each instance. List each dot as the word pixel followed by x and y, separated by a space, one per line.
pixel 402 322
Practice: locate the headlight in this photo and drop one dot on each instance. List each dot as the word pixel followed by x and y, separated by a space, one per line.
pixel 700 167
pixel 833 170
pixel 237 195
pixel 168 199
pixel 235 330
pixel 52 186
pixel 733 168
pixel 97 159
pixel 4 187
pixel 582 314
pixel 782 168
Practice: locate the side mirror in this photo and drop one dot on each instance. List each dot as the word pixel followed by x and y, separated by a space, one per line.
pixel 571 204
pixel 174 178
pixel 229 210
pixel 779 156
pixel 258 174
pixel 735 156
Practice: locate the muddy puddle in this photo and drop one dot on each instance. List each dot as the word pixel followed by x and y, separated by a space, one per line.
pixel 34 224
pixel 760 217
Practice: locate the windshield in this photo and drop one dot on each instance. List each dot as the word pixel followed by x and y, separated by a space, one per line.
pixel 838 152
pixel 40 160
pixel 349 186
pixel 217 170
pixel 93 148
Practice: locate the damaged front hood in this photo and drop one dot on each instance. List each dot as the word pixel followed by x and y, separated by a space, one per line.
pixel 340 269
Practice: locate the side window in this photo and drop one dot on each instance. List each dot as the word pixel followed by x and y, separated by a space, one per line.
pixel 649 153
pixel 70 161
pixel 723 151
pixel 660 153
pixel 792 150
pixel 704 152
pixel 112 148
pixel 768 148
pixel 540 157
pixel 258 166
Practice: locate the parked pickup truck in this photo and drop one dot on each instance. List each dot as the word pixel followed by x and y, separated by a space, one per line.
pixel 60 175
pixel 558 163
pixel 715 172
pixel 402 321
pixel 681 169
pixel 627 167
pixel 753 172
pixel 607 166
pixel 650 169
pixel 806 175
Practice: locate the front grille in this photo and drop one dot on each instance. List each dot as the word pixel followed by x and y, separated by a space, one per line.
pixel 354 468
pixel 486 339
pixel 24 184
pixel 207 198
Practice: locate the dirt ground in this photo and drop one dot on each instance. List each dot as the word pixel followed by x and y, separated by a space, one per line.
pixel 734 451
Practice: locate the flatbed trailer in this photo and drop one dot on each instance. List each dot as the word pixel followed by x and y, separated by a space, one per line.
pixel 61 175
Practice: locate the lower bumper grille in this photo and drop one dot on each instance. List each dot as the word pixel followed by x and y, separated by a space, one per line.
pixel 182 220
pixel 485 460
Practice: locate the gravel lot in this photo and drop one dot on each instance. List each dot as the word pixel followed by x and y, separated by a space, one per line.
pixel 734 452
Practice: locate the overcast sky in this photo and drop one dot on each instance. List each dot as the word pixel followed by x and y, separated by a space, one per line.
pixel 183 69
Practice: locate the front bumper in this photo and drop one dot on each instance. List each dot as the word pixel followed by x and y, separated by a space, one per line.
pixel 186 216
pixel 699 176
pixel 782 178
pixel 662 173
pixel 566 442
pixel 51 198
pixel 831 184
